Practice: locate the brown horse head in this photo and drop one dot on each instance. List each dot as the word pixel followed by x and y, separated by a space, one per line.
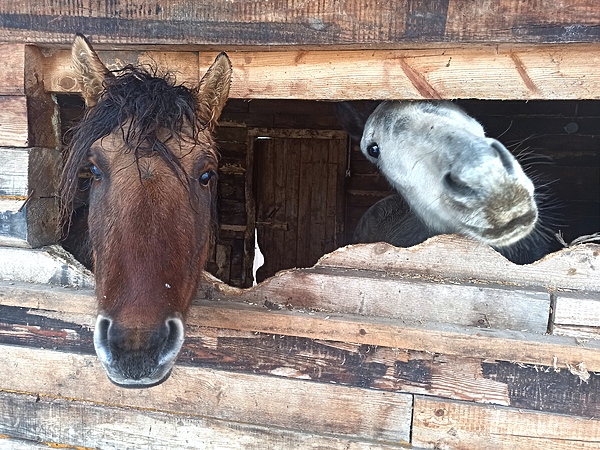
pixel 147 149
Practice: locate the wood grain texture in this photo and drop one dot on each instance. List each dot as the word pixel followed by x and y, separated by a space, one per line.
pixel 463 377
pixel 49 266
pixel 491 72
pixel 454 425
pixel 573 268
pixel 14 130
pixel 410 300
pixel 29 210
pixel 12 67
pixel 294 22
pixel 246 399
pixel 524 347
pixel 101 426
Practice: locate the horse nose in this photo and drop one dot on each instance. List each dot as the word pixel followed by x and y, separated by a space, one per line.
pixel 138 357
pixel 507 159
pixel 485 165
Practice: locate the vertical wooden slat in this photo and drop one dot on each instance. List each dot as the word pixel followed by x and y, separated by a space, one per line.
pixel 292 189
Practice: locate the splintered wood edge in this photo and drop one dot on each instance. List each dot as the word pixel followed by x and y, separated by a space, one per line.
pixel 485 343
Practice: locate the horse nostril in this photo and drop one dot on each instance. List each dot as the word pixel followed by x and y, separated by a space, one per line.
pixel 457 186
pixel 173 342
pixel 101 342
pixel 507 159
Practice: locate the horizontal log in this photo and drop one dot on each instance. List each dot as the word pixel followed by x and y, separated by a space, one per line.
pixel 348 22
pixel 49 266
pixel 448 339
pixel 100 426
pixel 534 387
pixel 247 399
pixel 459 259
pixel 498 72
pixel 410 300
pixel 457 425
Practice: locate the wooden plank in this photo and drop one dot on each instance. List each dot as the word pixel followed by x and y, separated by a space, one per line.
pixel 14 131
pixel 349 22
pixel 444 424
pixel 372 293
pixel 459 259
pixel 50 266
pixel 542 388
pixel 43 117
pixel 493 72
pixel 8 443
pixel 249 400
pixel 577 308
pixel 12 67
pixel 29 209
pixel 184 66
pixel 100 426
pixel 484 343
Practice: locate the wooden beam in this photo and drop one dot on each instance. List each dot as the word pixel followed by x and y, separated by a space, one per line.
pixel 448 339
pixel 348 22
pixel 299 406
pixel 12 67
pixel 29 209
pixel 49 266
pixel 439 258
pixel 483 72
pixel 14 131
pixel 445 424
pixel 574 391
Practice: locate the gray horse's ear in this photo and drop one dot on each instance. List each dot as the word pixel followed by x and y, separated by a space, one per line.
pixel 353 118
pixel 89 70
pixel 213 90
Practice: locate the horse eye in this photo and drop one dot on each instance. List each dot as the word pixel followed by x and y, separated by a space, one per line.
pixel 206 177
pixel 373 150
pixel 96 172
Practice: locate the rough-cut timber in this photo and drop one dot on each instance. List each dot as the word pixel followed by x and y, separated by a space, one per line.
pixel 296 22
pixel 460 426
pixel 29 209
pixel 284 375
pixel 484 72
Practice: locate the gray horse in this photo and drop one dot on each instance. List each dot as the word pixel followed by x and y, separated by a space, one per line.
pixel 450 178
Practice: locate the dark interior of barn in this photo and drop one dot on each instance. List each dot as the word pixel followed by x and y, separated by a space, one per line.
pixel 289 171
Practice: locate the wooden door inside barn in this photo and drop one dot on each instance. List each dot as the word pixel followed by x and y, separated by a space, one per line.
pixel 299 195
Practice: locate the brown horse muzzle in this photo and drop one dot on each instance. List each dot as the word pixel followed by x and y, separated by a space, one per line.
pixel 138 358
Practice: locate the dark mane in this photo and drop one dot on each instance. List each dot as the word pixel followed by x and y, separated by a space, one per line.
pixel 148 108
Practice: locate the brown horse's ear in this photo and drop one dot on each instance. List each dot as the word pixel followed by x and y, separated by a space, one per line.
pixel 90 71
pixel 214 90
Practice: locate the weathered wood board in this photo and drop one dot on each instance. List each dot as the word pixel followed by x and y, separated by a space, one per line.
pixel 453 425
pixel 29 208
pixel 75 383
pixel 493 72
pixel 274 375
pixel 294 22
pixel 50 265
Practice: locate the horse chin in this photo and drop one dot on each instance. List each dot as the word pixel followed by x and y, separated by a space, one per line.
pixel 142 383
pixel 501 238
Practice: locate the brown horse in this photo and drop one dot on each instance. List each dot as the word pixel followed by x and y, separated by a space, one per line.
pixel 147 149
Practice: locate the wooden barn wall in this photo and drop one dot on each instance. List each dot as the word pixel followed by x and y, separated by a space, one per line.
pixel 559 143
pixel 297 22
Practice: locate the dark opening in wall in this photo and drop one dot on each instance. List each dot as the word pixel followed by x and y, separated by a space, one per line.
pixel 288 171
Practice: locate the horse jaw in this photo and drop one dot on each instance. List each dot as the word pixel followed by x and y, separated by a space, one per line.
pixel 455 179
